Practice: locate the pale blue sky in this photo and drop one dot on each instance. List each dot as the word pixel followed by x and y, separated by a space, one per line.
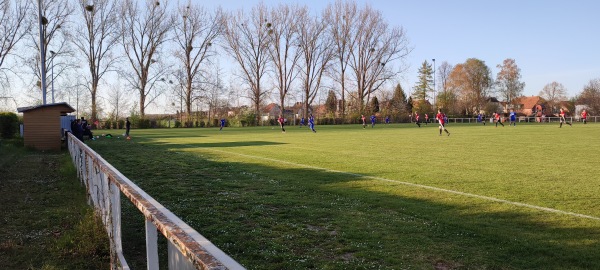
pixel 549 40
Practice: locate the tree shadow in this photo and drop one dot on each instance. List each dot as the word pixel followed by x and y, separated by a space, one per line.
pixel 283 217
pixel 219 144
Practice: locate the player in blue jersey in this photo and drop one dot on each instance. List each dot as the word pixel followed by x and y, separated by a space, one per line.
pixel 513 118
pixel 311 123
pixel 387 119
pixel 222 124
pixel 481 118
pixel 373 119
pixel 302 122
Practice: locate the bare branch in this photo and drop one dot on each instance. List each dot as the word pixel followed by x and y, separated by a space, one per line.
pixel 317 50
pixel 283 46
pixel 247 42
pixel 144 32
pixel 196 31
pixel 97 40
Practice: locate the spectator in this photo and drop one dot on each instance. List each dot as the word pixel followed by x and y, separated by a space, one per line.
pixel 78 130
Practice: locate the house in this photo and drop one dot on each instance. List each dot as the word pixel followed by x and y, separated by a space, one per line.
pixel 272 111
pixel 529 105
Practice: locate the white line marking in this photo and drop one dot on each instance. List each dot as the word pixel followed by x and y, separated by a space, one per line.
pixel 540 208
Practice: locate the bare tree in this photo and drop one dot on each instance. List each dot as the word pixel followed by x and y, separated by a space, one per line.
pixel 247 38
pixel 144 34
pixel 195 33
pixel 96 41
pixel 508 80
pixel 341 18
pixel 117 98
pixel 316 46
pixel 283 32
pixel 377 46
pixel 553 93
pixel 56 36
pixel 214 92
pixel 590 96
pixel 443 71
pixel 446 97
pixel 13 28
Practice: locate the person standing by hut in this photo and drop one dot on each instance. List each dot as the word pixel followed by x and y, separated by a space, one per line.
pixel 127 127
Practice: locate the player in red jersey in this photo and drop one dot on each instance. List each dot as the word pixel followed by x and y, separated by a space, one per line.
pixel 417 119
pixel 364 121
pixel 281 123
pixel 562 118
pixel 426 119
pixel 584 117
pixel 440 117
pixel 497 119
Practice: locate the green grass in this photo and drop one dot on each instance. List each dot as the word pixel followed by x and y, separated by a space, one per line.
pixel 382 198
pixel 45 222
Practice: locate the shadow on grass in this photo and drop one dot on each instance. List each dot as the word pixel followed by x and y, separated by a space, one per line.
pixel 277 217
pixel 220 144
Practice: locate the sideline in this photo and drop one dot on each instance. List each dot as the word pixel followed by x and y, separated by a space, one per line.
pixel 540 208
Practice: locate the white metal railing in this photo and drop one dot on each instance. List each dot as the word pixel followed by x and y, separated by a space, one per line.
pixel 590 119
pixel 187 248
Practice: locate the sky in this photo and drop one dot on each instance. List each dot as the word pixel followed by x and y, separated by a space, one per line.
pixel 549 40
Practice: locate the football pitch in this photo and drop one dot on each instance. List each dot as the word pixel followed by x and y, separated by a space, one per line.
pixel 389 197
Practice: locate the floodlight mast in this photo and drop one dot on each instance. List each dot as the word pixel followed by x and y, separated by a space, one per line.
pixel 42 21
pixel 434 90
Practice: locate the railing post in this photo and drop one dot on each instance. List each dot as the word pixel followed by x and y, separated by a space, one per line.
pixel 115 205
pixel 177 261
pixel 151 245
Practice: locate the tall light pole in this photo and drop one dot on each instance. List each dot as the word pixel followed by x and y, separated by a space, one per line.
pixel 42 24
pixel 52 63
pixel 434 94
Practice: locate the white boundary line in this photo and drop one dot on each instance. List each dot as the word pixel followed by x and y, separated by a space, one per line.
pixel 540 208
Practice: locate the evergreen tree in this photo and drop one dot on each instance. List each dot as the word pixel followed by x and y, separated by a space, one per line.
pixel 374 105
pixel 398 101
pixel 409 105
pixel 331 102
pixel 424 85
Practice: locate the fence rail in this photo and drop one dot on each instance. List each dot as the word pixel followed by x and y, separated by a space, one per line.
pixel 590 119
pixel 187 248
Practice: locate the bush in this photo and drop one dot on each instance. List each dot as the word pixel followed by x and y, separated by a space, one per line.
pixel 9 125
pixel 107 124
pixel 177 124
pixel 144 123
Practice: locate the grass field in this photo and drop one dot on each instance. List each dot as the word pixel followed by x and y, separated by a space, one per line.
pixel 45 222
pixel 389 197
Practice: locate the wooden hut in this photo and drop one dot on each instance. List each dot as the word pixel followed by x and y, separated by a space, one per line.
pixel 42 126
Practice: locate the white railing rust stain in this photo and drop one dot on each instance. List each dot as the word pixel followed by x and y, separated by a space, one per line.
pixel 188 249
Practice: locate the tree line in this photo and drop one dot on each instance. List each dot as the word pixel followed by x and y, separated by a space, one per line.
pixel 468 88
pixel 152 45
pixel 157 47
